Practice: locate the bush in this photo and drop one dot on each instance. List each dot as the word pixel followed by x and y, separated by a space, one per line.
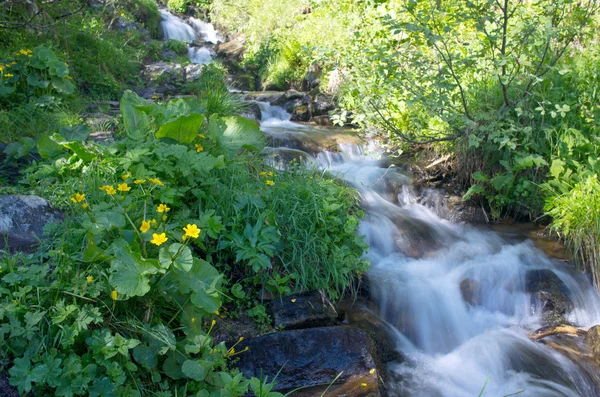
pixel 179 47
pixel 177 5
pixel 146 11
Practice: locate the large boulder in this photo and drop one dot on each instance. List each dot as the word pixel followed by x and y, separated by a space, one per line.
pixel 305 310
pixel 322 104
pixel 163 73
pixel 592 340
pixel 22 221
pixel 312 359
pixel 550 295
pixel 230 52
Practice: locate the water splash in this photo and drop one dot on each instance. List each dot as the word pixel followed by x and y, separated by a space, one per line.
pixel 174 28
pixel 201 55
pixel 206 31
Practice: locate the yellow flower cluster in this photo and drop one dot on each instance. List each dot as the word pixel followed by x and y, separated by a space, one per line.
pixel 123 187
pixel 145 226
pixel 159 239
pixel 7 75
pixel 199 148
pixel 110 190
pixel 163 208
pixel 28 53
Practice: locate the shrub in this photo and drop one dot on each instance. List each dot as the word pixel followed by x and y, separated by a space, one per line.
pixel 179 47
pixel 177 5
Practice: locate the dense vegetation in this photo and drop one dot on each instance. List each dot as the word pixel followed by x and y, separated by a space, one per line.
pixel 175 226
pixel 508 88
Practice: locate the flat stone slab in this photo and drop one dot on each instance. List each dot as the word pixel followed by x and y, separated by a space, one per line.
pixel 311 359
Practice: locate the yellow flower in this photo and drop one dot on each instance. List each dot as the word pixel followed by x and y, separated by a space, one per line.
pixel 231 351
pixel 372 371
pixel 191 231
pixel 269 182
pixel 193 320
pixel 262 173
pixel 126 176
pixel 154 97
pixel 139 181
pixel 156 181
pixel 85 206
pixel 153 221
pixel 158 239
pixel 123 187
pixel 201 136
pixel 79 197
pixel 294 300
pixel 363 384
pixel 114 295
pixel 1 68
pixel 89 279
pixel 163 208
pixel 109 189
pixel 199 148
pixel 145 226
pixel 270 173
pixel 241 339
pixel 7 75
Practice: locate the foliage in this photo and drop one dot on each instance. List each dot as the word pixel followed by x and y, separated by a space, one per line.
pixel 146 11
pixel 179 47
pixel 165 225
pixel 177 5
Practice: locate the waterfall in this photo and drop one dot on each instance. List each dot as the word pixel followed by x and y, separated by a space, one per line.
pixel 206 31
pixel 174 28
pixel 419 261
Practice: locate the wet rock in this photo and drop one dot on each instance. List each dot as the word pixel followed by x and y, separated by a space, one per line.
pixel 169 54
pixel 592 340
pixel 550 295
pixel 242 81
pixel 305 310
pixel 289 98
pixel 469 290
pixel 252 112
pixel 312 359
pixel 301 113
pixel 322 104
pixel 163 73
pixel 22 221
pixel 322 120
pixel 193 72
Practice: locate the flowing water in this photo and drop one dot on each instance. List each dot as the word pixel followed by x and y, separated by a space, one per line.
pixel 175 28
pixel 418 260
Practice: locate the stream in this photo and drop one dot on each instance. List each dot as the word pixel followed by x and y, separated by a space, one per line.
pixel 451 348
pixel 419 260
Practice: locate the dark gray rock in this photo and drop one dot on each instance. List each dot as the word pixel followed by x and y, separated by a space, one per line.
pixel 22 221
pixel 193 72
pixel 322 104
pixel 252 111
pixel 550 295
pixel 312 359
pixel 6 390
pixel 163 73
pixel 120 24
pixel 322 120
pixel 469 290
pixel 230 52
pixel 289 99
pixel 305 310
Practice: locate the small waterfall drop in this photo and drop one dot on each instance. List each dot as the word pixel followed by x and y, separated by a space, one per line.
pixel 420 264
pixel 176 29
pixel 206 31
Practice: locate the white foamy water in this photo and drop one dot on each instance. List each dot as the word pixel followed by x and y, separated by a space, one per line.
pixel 418 261
pixel 201 55
pixel 174 28
pixel 206 31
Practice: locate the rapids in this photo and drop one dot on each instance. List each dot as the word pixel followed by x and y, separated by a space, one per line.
pixel 451 349
pixel 175 28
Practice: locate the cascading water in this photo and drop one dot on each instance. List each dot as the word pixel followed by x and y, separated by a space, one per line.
pixel 174 28
pixel 418 261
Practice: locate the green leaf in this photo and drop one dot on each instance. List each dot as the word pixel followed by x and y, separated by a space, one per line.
pixel 102 387
pixel 473 190
pixel 237 291
pixel 94 254
pixel 110 219
pixel 63 85
pixel 76 147
pixel 183 129
pixel 136 121
pixel 58 68
pixel 480 176
pixel 22 376
pixel 204 283
pixel 47 148
pixel 146 356
pixel 235 133
pixel 183 261
pixel 34 80
pixel 130 273
pixel 194 370
pixel 557 168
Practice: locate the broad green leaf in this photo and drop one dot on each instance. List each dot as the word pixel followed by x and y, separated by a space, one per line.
pixel 183 129
pixel 34 80
pixel 193 369
pixel 181 260
pixel 76 147
pixel 204 283
pixel 145 356
pixel 237 291
pixel 557 168
pixel 235 133
pixel 63 85
pixel 131 273
pixel 136 121
pixel 47 148
pixel 110 219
